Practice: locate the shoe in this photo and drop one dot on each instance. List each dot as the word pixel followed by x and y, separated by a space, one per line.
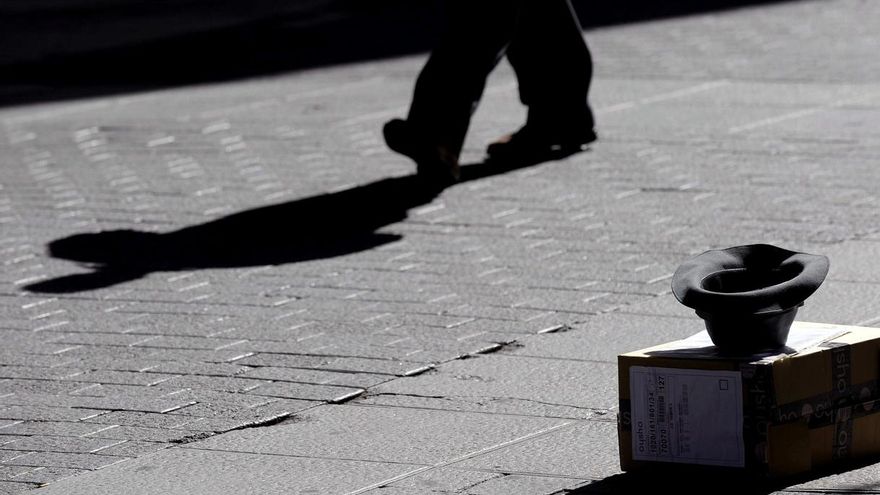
pixel 435 163
pixel 529 146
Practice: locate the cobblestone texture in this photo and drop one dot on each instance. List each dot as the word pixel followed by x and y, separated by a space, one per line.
pixel 715 130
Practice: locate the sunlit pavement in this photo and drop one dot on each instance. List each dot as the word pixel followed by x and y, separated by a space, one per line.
pixel 333 332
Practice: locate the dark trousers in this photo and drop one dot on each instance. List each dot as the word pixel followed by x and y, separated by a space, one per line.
pixel 543 42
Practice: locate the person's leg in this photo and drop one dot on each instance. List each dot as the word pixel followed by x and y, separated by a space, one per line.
pixel 451 83
pixel 553 68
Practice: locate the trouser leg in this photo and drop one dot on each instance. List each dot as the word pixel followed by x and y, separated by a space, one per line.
pixel 553 66
pixel 451 83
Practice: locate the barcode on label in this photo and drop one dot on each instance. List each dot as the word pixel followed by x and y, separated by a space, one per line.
pixel 661 409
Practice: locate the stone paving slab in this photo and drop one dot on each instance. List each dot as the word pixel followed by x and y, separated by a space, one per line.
pixel 844 302
pixel 452 480
pixel 205 471
pixel 16 487
pixel 586 450
pixel 509 384
pixel 618 332
pixel 716 130
pixel 420 436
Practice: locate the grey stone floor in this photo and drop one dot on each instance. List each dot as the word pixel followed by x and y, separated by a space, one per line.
pixel 469 345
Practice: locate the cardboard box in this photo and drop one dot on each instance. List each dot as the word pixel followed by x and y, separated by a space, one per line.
pixel 782 414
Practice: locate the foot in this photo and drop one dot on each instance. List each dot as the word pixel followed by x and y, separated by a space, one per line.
pixel 434 162
pixel 529 146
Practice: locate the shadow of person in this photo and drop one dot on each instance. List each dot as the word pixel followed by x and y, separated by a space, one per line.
pixel 675 479
pixel 316 227
pixel 687 479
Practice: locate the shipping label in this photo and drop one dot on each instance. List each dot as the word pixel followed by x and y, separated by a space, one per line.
pixel 688 416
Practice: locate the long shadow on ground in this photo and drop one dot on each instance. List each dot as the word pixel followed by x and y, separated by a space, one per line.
pixel 315 227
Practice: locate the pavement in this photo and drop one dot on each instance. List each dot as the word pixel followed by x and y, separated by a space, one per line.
pixel 297 320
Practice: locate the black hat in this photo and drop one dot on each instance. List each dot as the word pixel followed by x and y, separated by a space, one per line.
pixel 748 295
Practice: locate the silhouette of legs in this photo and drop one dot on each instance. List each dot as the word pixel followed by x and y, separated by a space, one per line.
pixel 543 41
pixel 451 84
pixel 553 68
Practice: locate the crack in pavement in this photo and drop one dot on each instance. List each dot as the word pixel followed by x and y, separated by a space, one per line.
pixel 479 401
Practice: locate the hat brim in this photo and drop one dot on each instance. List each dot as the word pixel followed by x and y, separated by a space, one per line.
pixel 752 279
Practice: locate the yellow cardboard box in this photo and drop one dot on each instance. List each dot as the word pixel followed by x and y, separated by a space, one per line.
pixel 781 413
